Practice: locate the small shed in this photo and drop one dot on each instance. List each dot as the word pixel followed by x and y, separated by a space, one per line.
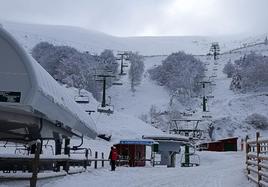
pixel 133 152
pixel 169 146
pixel 227 144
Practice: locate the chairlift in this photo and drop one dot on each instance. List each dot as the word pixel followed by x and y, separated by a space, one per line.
pixel 89 111
pixel 206 117
pixel 108 109
pixel 81 99
pixel 117 83
pixel 213 76
pixel 186 114
pixel 210 96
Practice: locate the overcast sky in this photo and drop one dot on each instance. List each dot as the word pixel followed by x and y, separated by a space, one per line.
pixel 144 17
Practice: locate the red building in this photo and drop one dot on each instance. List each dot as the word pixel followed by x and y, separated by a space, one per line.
pixel 227 144
pixel 133 152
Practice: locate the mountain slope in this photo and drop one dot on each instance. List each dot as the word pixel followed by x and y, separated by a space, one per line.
pixel 95 42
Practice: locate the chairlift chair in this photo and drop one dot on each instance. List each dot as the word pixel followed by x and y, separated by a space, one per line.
pixel 81 99
pixel 117 83
pixel 108 109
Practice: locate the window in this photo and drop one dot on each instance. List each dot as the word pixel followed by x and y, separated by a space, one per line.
pixel 10 97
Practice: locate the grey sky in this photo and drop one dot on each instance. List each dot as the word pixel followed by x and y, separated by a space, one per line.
pixel 144 17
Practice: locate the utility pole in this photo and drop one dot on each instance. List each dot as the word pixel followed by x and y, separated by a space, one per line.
pixel 122 56
pixel 215 49
pixel 205 97
pixel 104 108
pixel 103 80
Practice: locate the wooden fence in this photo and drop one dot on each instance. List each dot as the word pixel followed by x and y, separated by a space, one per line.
pixel 38 166
pixel 257 160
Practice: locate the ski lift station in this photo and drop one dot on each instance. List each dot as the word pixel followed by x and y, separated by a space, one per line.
pixel 169 146
pixel 133 152
pixel 32 104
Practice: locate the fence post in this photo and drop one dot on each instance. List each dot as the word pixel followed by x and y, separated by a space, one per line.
pixel 258 158
pixel 247 151
pixel 86 161
pixel 35 166
pixel 242 144
pixel 102 162
pixel 96 157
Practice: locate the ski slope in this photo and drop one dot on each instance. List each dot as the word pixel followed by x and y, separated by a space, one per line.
pixel 228 108
pixel 148 93
pixel 216 170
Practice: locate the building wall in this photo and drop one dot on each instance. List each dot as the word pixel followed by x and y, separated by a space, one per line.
pixel 13 74
pixel 133 155
pixel 222 145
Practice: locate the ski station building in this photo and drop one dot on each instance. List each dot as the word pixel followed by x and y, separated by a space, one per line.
pixel 133 152
pixel 169 146
pixel 32 104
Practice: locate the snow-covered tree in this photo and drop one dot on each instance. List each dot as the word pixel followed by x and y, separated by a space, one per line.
pixel 179 73
pixel 136 70
pixel 258 121
pixel 74 68
pixel 108 60
pixel 229 69
pixel 250 73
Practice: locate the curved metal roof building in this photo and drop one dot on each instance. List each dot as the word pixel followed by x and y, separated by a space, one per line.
pixel 32 103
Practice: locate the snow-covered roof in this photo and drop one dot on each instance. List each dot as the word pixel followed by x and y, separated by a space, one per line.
pixel 137 142
pixel 172 137
pixel 40 90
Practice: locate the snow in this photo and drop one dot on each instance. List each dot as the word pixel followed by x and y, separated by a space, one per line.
pixel 146 94
pixel 51 88
pixel 95 42
pixel 175 137
pixel 217 169
pixel 230 107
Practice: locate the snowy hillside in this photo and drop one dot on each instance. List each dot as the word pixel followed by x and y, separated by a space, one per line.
pixel 227 106
pixel 95 42
pixel 230 109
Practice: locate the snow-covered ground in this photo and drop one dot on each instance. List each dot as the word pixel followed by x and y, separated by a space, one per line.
pixel 146 94
pixel 95 42
pixel 216 170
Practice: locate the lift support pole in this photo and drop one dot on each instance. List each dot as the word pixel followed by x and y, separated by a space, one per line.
pixel 35 166
pixel 103 80
pixel 122 56
pixel 187 155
